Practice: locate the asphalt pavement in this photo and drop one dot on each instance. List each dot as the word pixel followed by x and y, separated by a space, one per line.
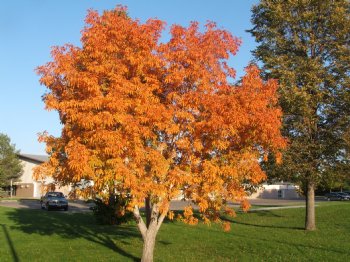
pixel 74 205
pixel 82 206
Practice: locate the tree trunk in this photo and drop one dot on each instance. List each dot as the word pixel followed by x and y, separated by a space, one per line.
pixel 149 232
pixel 310 223
pixel 148 245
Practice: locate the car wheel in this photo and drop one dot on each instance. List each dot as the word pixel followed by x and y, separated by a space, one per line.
pixel 65 209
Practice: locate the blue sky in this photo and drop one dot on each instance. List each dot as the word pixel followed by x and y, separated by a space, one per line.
pixel 28 29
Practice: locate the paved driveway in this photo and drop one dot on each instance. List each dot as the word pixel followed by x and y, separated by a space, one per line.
pixel 74 206
pixel 81 206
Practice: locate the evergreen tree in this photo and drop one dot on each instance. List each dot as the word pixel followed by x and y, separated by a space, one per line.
pixel 305 45
pixel 10 166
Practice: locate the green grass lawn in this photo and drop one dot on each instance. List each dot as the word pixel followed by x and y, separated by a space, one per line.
pixel 274 235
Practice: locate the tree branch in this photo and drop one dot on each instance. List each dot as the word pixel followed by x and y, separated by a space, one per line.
pixel 161 219
pixel 139 221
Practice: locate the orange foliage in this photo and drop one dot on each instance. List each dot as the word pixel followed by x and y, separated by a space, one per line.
pixel 171 215
pixel 245 205
pixel 226 226
pixel 151 119
pixel 188 216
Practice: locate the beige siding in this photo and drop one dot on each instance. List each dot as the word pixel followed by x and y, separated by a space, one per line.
pixel 27 176
pixel 28 187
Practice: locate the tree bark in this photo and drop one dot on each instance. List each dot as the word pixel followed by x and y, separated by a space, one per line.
pixel 310 223
pixel 149 232
pixel 148 245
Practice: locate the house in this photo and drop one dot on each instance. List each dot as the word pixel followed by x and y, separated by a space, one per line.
pixel 26 186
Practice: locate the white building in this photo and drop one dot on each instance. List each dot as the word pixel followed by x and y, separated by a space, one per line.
pixel 282 190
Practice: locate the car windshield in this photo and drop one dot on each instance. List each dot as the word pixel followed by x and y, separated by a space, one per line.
pixel 55 194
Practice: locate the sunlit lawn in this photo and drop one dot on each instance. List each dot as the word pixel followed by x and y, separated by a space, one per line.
pixel 275 235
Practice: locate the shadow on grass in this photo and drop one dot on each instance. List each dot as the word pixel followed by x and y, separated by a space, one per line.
pixel 72 226
pixel 264 213
pixel 10 244
pixel 262 226
pixel 302 247
pixel 261 213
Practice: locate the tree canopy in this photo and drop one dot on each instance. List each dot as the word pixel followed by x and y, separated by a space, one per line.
pixel 305 45
pixel 152 120
pixel 10 165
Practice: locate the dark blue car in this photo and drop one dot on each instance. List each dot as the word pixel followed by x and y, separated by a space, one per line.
pixel 336 196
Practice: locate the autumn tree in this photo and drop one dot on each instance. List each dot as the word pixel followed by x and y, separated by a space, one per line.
pixel 10 165
pixel 305 45
pixel 152 120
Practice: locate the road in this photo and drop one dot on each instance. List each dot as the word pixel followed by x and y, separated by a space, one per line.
pixel 81 206
pixel 74 206
pixel 278 203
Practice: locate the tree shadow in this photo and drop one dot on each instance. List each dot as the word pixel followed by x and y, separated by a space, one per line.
pixel 299 246
pixel 262 213
pixel 10 244
pixel 73 226
pixel 262 226
pixel 164 243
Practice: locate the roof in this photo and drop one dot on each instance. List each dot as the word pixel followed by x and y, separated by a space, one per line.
pixel 36 158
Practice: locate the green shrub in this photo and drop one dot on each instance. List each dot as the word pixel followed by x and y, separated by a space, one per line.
pixel 113 212
pixel 3 193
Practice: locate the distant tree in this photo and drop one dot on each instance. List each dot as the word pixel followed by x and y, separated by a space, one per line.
pixel 10 166
pixel 305 44
pixel 336 178
pixel 150 120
